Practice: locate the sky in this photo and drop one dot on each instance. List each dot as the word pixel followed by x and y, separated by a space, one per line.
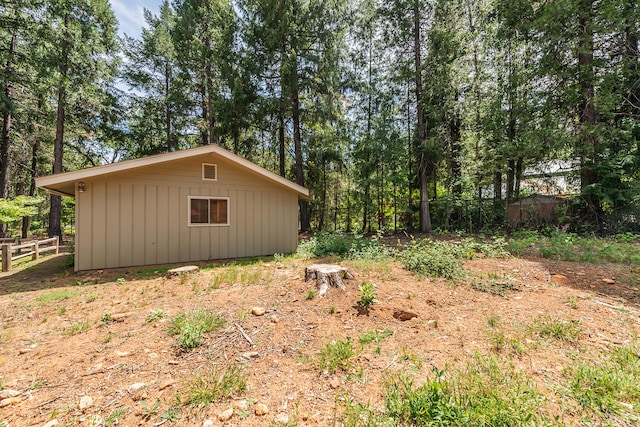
pixel 130 14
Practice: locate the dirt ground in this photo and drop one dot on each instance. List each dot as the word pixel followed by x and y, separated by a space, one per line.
pixel 130 364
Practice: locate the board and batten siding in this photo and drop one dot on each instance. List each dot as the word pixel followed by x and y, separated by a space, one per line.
pixel 140 217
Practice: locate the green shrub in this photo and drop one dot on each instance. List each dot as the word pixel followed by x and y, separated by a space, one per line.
pixel 367 294
pixel 435 259
pixel 352 246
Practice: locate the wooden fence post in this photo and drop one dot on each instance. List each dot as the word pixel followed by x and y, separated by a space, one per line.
pixel 6 257
pixel 57 243
pixel 36 251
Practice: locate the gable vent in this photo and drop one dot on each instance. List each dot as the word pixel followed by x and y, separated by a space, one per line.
pixel 209 172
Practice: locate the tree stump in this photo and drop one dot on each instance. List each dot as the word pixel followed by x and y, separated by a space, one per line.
pixel 327 275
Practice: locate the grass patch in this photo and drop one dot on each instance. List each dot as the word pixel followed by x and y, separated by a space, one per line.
pixel 188 328
pixel 374 336
pixel 57 295
pixel 609 388
pixel 115 416
pixel 335 356
pixel 151 273
pixel 501 285
pixel 571 247
pixel 485 393
pixel 76 328
pixel 156 315
pixel 556 329
pixel 214 386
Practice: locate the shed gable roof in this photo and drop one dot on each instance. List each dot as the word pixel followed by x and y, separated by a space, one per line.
pixel 64 183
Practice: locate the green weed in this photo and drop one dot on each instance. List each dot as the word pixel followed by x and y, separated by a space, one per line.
pixel 172 414
pixel 367 294
pixel 213 386
pixel 374 336
pixel 188 328
pixel 433 258
pixel 335 356
pixel 115 416
pixel 156 315
pixel 484 393
pixel 58 295
pixel 557 329
pixel 149 411
pixel 76 328
pixel 609 387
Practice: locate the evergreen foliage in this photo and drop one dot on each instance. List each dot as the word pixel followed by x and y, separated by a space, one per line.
pixel 410 114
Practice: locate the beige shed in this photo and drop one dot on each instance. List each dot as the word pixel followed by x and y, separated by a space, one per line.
pixel 198 204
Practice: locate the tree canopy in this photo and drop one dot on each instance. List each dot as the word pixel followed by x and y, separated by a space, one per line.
pixel 404 114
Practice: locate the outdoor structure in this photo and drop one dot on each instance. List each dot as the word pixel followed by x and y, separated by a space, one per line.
pixel 198 204
pixel 535 210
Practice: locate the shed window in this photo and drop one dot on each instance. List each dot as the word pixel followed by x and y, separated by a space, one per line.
pixel 208 211
pixel 209 172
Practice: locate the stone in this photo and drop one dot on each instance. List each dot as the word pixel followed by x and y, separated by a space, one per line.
pixel 282 418
pixel 9 401
pixel 250 355
pixel 274 319
pixel 258 311
pixel 122 353
pixel 207 423
pixel 187 269
pixel 135 387
pixel 241 405
pixel 8 393
pixel 225 415
pixel 85 402
pixel 52 423
pixel 609 281
pixel 261 409
pixel 403 316
pixel 334 383
pixel 559 279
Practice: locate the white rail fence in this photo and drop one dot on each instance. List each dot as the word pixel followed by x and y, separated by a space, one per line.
pixel 12 252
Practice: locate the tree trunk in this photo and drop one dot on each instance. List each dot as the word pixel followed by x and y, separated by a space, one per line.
pixel 282 142
pixel 55 211
pixel 327 275
pixel 425 215
pixel 167 108
pixel 5 144
pixel 204 134
pixel 26 220
pixel 305 223
pixel 586 108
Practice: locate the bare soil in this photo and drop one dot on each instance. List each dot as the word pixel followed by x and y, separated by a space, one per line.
pixel 129 363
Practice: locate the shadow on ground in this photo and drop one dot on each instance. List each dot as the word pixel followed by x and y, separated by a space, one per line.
pixel 53 271
pixel 48 272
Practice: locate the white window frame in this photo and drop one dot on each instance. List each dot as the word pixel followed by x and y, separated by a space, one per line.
pixel 204 165
pixel 208 214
